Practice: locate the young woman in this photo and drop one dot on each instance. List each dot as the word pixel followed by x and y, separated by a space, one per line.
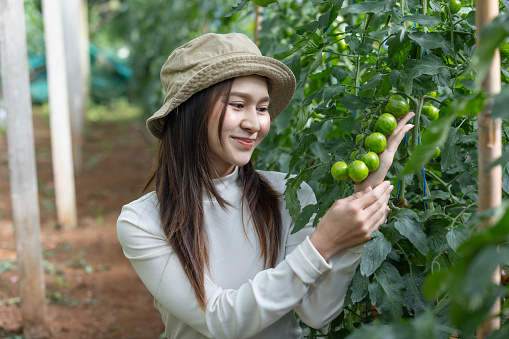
pixel 213 242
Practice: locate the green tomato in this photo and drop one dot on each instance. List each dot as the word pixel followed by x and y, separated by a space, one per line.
pixel 437 153
pixel 397 106
pixel 455 6
pixel 358 171
pixel 376 142
pixel 431 112
pixel 386 124
pixel 339 171
pixel 371 160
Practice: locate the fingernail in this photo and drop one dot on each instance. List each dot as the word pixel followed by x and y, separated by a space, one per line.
pixel 391 187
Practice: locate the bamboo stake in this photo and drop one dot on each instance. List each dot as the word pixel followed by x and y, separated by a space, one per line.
pixel 490 149
pixel 22 168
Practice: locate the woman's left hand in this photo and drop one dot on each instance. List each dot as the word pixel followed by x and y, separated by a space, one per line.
pixel 386 157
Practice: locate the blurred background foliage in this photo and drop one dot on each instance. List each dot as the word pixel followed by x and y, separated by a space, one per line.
pixel 130 40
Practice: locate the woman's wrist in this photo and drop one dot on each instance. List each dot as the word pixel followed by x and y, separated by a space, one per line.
pixel 320 244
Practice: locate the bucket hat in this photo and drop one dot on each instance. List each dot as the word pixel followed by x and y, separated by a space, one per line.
pixel 212 58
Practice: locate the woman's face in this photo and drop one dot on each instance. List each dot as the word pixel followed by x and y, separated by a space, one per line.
pixel 246 123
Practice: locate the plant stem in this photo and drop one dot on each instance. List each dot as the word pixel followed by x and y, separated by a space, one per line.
pixel 358 61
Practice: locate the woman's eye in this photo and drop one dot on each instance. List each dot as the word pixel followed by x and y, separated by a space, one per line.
pixel 237 106
pixel 263 109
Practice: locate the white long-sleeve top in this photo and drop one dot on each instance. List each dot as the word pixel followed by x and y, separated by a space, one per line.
pixel 244 300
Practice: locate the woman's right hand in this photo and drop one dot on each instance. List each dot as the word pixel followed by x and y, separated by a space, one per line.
pixel 350 221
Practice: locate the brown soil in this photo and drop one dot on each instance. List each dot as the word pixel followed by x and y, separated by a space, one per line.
pixel 92 290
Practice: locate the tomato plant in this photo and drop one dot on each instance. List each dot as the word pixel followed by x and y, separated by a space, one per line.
pixel 355 61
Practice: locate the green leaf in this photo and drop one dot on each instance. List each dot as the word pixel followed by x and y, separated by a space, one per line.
pixel 491 36
pixel 331 91
pixel 386 291
pixel 434 136
pixel 423 19
pixel 398 49
pixel 480 271
pixel 294 64
pixel 499 109
pixel 236 8
pixel 450 150
pixel 437 195
pixel 359 287
pixel 373 81
pixel 414 299
pixel 436 284
pixel 304 216
pixel 376 250
pixel 457 236
pixel 370 6
pixel 410 229
pixel 309 27
pixel 430 40
pixel 430 64
pixel 339 73
pixel 353 102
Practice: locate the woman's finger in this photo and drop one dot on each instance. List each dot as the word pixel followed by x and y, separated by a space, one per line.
pixel 380 203
pixel 370 198
pixel 377 221
pixel 396 138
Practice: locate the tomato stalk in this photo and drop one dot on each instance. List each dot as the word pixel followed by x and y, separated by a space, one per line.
pixel 415 142
pixel 358 61
pixel 425 29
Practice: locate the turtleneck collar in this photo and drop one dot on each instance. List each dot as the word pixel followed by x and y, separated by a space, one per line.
pixel 227 186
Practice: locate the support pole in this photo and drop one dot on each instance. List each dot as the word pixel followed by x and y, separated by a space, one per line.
pixel 72 17
pixel 60 125
pixel 490 149
pixel 22 168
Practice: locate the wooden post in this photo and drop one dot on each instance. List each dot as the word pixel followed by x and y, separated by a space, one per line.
pixel 85 53
pixel 60 126
pixel 257 24
pixel 22 168
pixel 490 149
pixel 71 16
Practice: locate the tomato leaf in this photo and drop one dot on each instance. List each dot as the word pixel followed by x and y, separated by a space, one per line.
pixel 376 250
pixel 410 229
pixel 423 19
pixel 373 6
pixel 458 235
pixel 430 40
pixel 499 109
pixel 415 302
pixel 359 287
pixel 386 291
pixel 398 49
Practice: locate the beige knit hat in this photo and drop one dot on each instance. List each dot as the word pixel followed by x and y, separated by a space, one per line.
pixel 212 58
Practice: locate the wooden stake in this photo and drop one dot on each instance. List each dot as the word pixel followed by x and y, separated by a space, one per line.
pixel 22 168
pixel 490 149
pixel 257 23
pixel 60 126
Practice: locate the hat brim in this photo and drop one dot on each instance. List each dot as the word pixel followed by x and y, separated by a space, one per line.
pixel 281 84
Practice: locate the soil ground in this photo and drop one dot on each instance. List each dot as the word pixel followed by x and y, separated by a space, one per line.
pixel 91 288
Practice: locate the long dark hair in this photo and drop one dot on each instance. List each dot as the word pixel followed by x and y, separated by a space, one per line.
pixel 182 173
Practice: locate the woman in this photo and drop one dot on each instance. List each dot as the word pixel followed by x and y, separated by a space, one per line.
pixel 213 242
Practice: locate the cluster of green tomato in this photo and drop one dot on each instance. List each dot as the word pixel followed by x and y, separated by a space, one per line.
pixel 358 170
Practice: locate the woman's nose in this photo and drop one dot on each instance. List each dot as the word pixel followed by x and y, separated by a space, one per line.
pixel 250 120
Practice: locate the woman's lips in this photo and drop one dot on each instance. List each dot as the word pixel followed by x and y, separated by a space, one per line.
pixel 245 142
